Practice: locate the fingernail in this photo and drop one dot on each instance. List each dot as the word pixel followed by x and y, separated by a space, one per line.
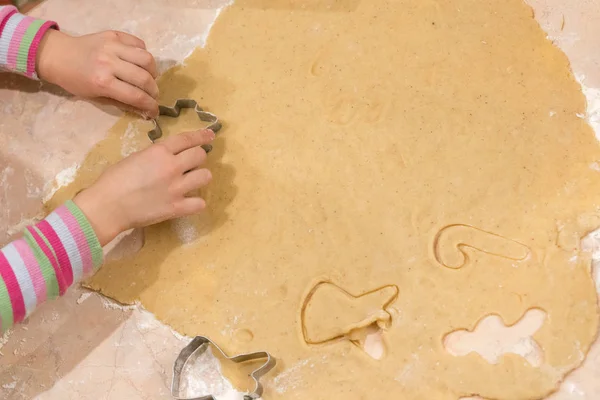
pixel 210 133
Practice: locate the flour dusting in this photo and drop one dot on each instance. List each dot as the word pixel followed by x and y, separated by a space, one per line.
pixel 4 338
pixel 110 304
pixel 201 39
pixel 4 175
pixel 592 96
pixel 207 366
pixel 128 145
pixel 591 244
pixel 574 389
pixel 84 297
pixel 33 190
pixel 185 230
pixel 11 385
pixel 25 222
pixel 289 379
pixel 63 178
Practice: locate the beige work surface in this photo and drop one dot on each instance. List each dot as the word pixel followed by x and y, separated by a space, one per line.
pixel 560 356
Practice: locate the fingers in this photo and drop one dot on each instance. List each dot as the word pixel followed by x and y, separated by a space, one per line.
pixel 130 40
pixel 187 140
pixel 125 107
pixel 132 95
pixel 131 73
pixel 191 158
pixel 189 206
pixel 195 180
pixel 139 57
pixel 121 69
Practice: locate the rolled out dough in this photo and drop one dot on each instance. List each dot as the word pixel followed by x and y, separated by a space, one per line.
pixel 431 146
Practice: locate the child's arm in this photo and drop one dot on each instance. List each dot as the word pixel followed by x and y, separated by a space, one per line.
pixel 20 37
pixel 113 65
pixel 145 188
pixel 49 258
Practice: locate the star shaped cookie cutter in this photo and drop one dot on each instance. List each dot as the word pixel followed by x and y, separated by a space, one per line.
pixel 173 112
pixel 201 344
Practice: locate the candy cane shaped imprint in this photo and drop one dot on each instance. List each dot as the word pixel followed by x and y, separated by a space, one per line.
pixel 450 243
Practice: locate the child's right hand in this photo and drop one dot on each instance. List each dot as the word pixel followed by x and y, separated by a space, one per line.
pixel 149 186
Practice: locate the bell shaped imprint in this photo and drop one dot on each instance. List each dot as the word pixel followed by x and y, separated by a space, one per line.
pixel 450 242
pixel 331 313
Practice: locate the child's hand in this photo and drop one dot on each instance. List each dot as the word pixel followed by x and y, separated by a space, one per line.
pixel 109 64
pixel 148 187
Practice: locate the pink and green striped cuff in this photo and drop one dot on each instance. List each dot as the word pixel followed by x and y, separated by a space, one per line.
pixel 51 256
pixel 20 38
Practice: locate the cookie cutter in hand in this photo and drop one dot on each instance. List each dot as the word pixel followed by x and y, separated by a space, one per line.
pixel 173 112
pixel 200 344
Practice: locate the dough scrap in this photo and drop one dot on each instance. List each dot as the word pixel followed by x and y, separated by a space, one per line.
pixel 356 133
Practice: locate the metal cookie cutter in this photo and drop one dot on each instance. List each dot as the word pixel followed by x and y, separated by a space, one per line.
pixel 201 343
pixel 174 112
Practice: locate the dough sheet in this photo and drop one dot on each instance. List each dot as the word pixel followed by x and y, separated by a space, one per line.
pixel 409 165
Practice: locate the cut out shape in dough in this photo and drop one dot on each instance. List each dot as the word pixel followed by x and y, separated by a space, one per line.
pixel 450 125
pixel 452 240
pixel 354 313
pixel 491 339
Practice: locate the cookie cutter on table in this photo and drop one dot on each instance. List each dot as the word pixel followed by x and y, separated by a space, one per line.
pixel 201 344
pixel 173 112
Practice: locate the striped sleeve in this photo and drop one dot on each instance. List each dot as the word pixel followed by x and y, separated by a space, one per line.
pixel 20 38
pixel 52 255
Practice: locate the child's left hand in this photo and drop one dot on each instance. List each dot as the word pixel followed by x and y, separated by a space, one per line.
pixel 109 64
